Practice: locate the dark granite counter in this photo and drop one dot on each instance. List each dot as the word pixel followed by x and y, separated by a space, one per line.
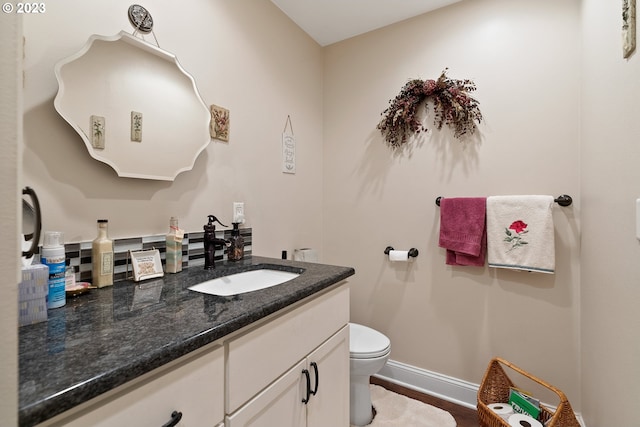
pixel 110 336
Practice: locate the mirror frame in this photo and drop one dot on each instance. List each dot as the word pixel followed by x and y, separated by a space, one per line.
pixel 177 132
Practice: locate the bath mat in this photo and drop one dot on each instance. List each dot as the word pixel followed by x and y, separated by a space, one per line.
pixel 396 410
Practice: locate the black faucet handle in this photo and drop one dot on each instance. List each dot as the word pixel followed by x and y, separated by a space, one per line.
pixel 213 219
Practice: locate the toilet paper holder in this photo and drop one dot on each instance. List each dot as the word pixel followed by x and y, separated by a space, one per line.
pixel 413 252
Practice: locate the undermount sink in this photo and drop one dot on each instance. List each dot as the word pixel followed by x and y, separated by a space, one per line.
pixel 246 281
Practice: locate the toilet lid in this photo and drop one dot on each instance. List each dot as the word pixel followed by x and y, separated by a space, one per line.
pixel 367 343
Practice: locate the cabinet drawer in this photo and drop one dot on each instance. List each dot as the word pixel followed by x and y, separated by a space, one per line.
pixel 263 354
pixel 193 387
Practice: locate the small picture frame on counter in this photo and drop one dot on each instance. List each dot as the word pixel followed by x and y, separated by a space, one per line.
pixel 146 264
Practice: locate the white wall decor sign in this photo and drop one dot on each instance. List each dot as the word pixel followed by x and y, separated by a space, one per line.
pixel 288 149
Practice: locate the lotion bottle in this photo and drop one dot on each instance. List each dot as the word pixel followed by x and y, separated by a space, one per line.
pixel 102 256
pixel 53 256
pixel 173 255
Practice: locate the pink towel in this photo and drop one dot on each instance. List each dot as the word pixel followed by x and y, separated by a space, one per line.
pixel 463 230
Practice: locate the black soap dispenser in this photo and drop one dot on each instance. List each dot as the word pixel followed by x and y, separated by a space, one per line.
pixel 236 248
pixel 211 242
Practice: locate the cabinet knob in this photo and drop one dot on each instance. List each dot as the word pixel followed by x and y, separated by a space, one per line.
pixel 175 419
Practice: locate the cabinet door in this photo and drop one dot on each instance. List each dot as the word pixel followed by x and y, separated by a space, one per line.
pixel 330 405
pixel 263 354
pixel 279 405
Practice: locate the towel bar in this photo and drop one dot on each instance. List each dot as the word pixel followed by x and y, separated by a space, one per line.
pixel 563 200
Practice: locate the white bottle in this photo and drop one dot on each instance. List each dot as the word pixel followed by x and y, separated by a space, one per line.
pixel 53 256
pixel 69 278
pixel 102 257
pixel 173 254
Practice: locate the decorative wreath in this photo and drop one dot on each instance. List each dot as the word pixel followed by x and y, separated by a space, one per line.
pixel 452 104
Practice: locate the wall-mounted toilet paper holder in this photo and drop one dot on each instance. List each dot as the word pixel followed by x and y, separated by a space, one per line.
pixel 413 252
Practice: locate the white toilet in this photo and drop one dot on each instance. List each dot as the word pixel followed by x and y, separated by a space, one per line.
pixel 369 351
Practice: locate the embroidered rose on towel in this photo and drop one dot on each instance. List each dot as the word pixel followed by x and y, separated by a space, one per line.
pixel 518 226
pixel 515 239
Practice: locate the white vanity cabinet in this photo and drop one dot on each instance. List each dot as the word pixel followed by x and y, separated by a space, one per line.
pixel 255 377
pixel 194 386
pixel 272 369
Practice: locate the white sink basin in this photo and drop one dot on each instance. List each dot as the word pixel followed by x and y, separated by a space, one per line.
pixel 247 281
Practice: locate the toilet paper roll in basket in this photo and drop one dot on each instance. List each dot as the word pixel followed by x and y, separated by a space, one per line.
pixel 503 410
pixel 522 420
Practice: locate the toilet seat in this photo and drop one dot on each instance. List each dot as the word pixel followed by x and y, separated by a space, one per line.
pixel 367 343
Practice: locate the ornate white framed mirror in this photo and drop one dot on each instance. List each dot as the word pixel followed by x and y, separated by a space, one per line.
pixel 134 106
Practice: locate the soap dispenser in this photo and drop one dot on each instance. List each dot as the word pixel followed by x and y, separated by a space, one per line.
pixel 211 242
pixel 236 248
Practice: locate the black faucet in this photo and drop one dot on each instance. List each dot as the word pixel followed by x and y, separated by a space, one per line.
pixel 211 243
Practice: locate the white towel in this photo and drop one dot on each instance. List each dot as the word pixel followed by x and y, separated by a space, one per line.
pixel 520 233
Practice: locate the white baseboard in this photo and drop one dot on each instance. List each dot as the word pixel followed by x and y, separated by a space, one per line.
pixel 444 387
pixel 432 383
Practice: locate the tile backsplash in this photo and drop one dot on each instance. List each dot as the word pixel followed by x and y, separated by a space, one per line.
pixel 78 255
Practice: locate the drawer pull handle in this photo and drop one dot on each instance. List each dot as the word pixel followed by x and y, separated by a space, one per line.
pixel 306 374
pixel 315 371
pixel 175 419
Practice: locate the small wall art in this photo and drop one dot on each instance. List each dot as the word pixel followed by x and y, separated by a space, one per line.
pixel 97 124
pixel 628 27
pixel 136 126
pixel 219 125
pixel 288 148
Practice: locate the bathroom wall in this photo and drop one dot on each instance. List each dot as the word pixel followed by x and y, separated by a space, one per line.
pixel 610 270
pixel 558 101
pixel 246 56
pixel 525 60
pixel 10 172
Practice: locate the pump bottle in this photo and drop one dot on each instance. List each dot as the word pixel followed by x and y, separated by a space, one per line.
pixel 102 256
pixel 236 248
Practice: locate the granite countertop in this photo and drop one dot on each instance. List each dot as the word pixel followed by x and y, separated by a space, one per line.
pixel 109 336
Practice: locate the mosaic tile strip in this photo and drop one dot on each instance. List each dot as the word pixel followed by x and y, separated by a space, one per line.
pixel 79 254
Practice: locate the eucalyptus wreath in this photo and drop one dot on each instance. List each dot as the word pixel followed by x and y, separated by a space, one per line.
pixel 452 104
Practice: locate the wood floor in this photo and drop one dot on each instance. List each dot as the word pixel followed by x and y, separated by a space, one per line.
pixel 464 417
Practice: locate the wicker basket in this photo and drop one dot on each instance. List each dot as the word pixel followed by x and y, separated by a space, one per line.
pixel 495 388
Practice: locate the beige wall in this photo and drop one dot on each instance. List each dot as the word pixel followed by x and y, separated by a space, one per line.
pixel 524 58
pixel 10 220
pixel 610 270
pixel 244 55
pixel 560 118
